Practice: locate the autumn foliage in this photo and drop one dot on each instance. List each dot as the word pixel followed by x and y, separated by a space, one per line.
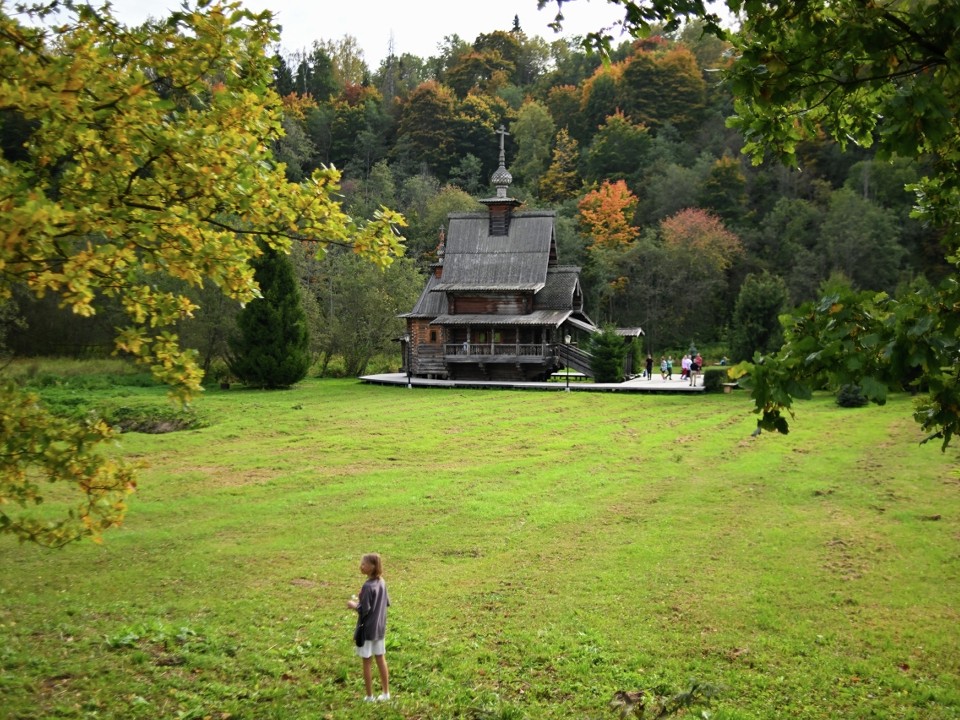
pixel 606 215
pixel 144 162
pixel 703 235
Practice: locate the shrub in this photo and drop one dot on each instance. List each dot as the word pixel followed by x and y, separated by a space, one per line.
pixel 850 396
pixel 219 372
pixel 383 363
pixel 755 326
pixel 331 367
pixel 714 378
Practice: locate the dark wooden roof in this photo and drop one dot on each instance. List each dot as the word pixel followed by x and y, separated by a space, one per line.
pixel 554 318
pixel 475 261
pixel 582 322
pixel 430 303
pixel 558 292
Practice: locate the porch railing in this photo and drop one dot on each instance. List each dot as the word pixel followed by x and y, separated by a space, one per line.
pixel 498 349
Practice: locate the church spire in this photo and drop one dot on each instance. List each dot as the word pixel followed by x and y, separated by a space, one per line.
pixel 501 178
pixel 501 206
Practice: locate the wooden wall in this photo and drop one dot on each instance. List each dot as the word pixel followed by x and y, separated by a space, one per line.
pixel 510 304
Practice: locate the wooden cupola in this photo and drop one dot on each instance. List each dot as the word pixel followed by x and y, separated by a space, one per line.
pixel 501 207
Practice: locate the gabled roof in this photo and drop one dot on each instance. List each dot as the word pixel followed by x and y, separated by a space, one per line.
pixel 558 292
pixel 430 303
pixel 582 322
pixel 475 261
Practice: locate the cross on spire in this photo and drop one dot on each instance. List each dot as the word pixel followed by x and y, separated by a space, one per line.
pixel 502 132
pixel 501 177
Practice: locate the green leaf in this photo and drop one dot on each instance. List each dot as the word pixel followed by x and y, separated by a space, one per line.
pixel 874 390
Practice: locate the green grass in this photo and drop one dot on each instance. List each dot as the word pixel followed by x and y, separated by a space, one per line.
pixel 543 550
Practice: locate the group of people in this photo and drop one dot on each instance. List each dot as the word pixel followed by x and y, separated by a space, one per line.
pixel 690 367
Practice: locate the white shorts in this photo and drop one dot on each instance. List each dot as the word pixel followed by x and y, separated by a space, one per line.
pixel 371 647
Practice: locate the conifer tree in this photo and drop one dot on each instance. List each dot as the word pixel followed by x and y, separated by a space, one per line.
pixel 561 180
pixel 608 351
pixel 271 349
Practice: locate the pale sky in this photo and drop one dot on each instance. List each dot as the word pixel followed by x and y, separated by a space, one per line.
pixel 416 26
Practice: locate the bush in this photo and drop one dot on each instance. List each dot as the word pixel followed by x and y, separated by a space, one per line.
pixel 608 351
pixel 218 373
pixel 42 373
pixel 712 352
pixel 850 396
pixel 384 363
pixel 755 326
pixel 331 367
pixel 714 378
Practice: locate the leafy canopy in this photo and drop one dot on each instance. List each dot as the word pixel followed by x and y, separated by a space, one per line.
pixel 885 75
pixel 143 153
pixel 606 215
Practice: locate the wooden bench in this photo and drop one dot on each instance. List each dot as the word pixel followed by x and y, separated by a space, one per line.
pixel 574 376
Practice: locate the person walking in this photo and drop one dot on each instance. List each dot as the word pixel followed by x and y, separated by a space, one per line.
pixel 649 366
pixel 371 629
pixel 696 364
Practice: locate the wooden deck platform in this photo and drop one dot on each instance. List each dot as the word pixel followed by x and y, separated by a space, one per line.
pixel 636 385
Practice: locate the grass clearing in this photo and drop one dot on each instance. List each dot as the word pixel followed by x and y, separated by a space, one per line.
pixel 543 550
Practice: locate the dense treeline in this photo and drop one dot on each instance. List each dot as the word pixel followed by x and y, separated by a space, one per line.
pixel 655 201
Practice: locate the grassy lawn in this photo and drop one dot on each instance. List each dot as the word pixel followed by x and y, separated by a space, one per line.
pixel 543 550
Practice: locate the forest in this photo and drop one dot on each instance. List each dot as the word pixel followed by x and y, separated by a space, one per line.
pixel 675 230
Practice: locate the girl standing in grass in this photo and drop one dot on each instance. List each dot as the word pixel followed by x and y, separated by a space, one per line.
pixel 371 628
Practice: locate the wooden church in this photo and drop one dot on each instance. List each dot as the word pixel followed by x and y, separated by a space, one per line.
pixel 497 304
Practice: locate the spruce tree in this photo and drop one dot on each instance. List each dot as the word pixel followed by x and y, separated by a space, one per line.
pixel 608 351
pixel 271 348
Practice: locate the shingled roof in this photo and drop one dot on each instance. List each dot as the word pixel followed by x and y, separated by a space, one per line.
pixel 537 318
pixel 476 261
pixel 559 290
pixel 430 304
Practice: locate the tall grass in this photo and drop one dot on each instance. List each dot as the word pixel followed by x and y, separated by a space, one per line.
pixel 543 551
pixel 102 372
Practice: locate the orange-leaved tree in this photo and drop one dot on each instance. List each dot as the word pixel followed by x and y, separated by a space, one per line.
pixel 703 235
pixel 606 216
pixel 700 251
